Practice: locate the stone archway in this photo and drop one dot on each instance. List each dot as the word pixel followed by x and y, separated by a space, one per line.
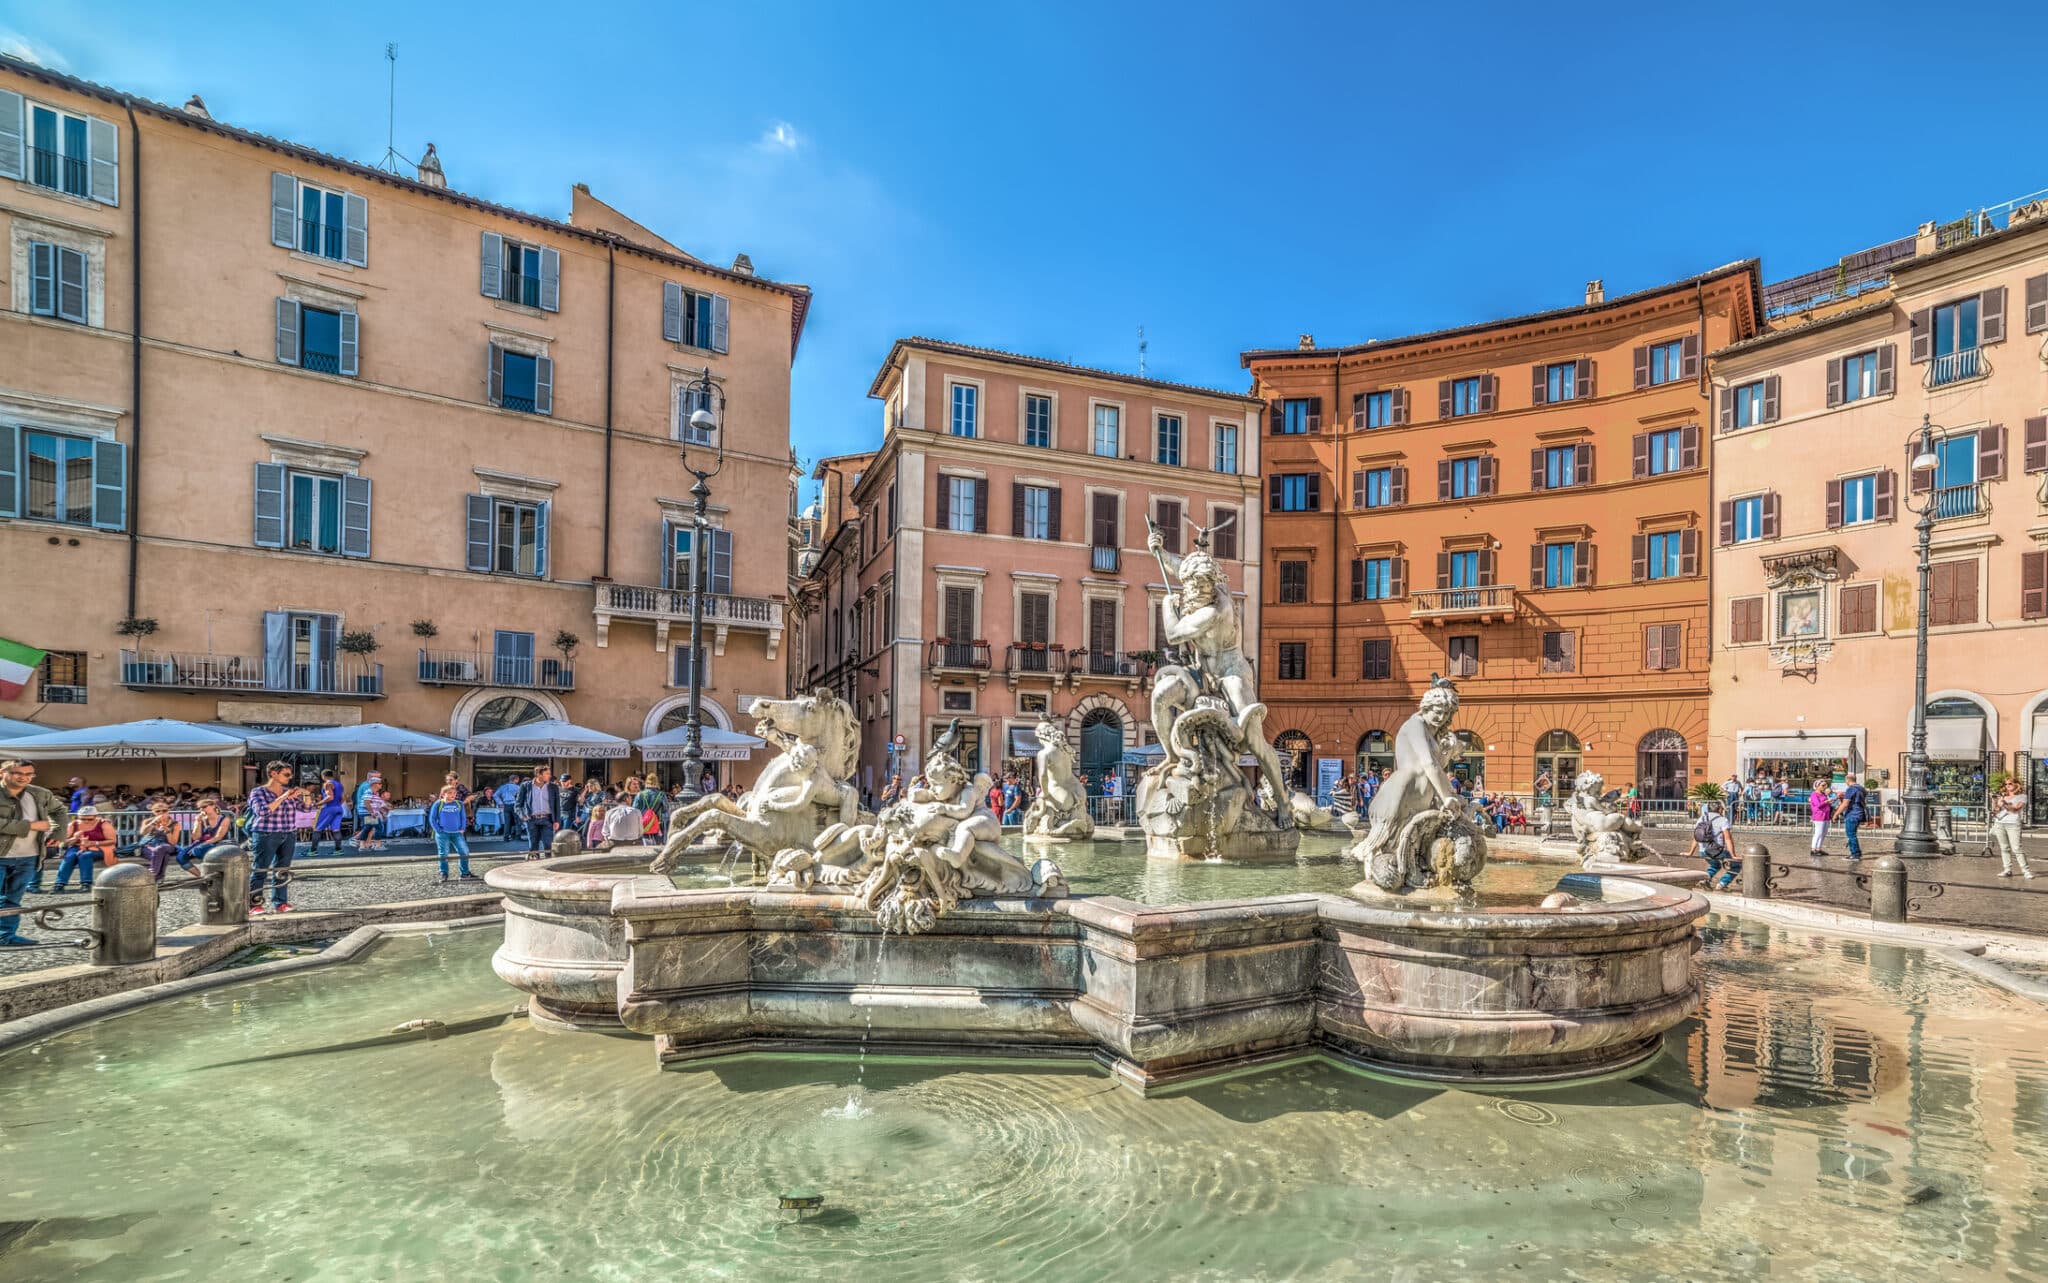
pixel 1297 753
pixel 462 722
pixel 1078 718
pixel 1663 766
pixel 670 713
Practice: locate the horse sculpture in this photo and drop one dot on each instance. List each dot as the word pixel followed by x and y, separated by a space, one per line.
pixel 805 789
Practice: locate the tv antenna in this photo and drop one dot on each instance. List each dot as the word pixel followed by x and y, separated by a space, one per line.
pixel 1142 345
pixel 392 159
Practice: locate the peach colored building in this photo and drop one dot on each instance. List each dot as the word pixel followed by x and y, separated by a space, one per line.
pixel 1520 504
pixel 1815 561
pixel 363 410
pixel 992 566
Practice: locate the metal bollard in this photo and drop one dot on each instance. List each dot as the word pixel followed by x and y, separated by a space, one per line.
pixel 227 899
pixel 1756 872
pixel 124 915
pixel 1887 890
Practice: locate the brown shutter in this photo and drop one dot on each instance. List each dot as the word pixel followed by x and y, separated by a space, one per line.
pixel 1653 647
pixel 1991 316
pixel 1169 524
pixel 1584 563
pixel 1397 576
pixel 1358 579
pixel 1398 414
pixel 1489 566
pixel 1536 468
pixel 2034 437
pixel 1920 341
pixel 1639 558
pixel 1016 509
pixel 1224 538
pixel 1315 414
pixel 1738 621
pixel 1443 478
pixel 1539 387
pixel 1887 498
pixel 1689 447
pixel 1315 492
pixel 1688 553
pixel 2037 304
pixel 1770 521
pixel 1689 357
pixel 1443 399
pixel 1052 514
pixel 1834 381
pixel 1642 356
pixel 1397 486
pixel 1102 529
pixel 1276 417
pixel 981 505
pixel 1834 505
pixel 1639 455
pixel 1991 453
pixel 1887 369
pixel 1536 566
pixel 944 508
pixel 1770 398
pixel 1358 411
pixel 1728 409
pixel 1921 479
pixel 1568 652
pixel 1941 593
pixel 2034 584
pixel 1443 570
pixel 1583 380
pixel 1358 488
pixel 1582 463
pixel 1489 474
pixel 1725 520
pixel 1489 393
pixel 1102 627
pixel 1272 494
pixel 1965 573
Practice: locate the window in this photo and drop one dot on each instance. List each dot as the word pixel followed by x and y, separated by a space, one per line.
pixel 961 508
pixel 1372 410
pixel 523 382
pixel 301 652
pixel 1166 517
pixel 1030 702
pixel 1465 396
pixel 1300 415
pixel 1226 447
pixel 1107 440
pixel 1034 617
pixel 1749 518
pixel 1293 582
pixel 681 667
pixel 1561 466
pixel 1665 451
pixel 1465 479
pixel 689 400
pixel 321 221
pixel 1372 579
pixel 62 675
pixel 72 154
pixel 1377 659
pixel 1463 656
pixel 1664 555
pixel 1663 646
pixel 512 658
pixel 1296 492
pixel 1560 565
pixel 1667 362
pixel 1955 342
pixel 1102 635
pixel 1038 421
pixel 52 476
pixel 313 505
pixel 1561 382
pixel 516 538
pixel 1293 661
pixel 1223 533
pixel 56 282
pixel 1859 499
pixel 1957 466
pixel 1037 512
pixel 1858 610
pixel 1373 488
pixel 1166 439
pixel 1745 621
pixel 1952 593
pixel 530 275
pixel 1464 570
pixel 694 318
pixel 956 701
pixel 1749 404
pixel 522 274
pixel 1859 376
pixel 1560 652
pixel 966 406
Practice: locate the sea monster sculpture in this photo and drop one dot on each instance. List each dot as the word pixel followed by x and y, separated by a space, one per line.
pixel 1607 835
pixel 1420 835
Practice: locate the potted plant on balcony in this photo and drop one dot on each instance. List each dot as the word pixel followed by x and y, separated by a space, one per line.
pixel 1146 659
pixel 362 645
pixel 564 675
pixel 135 627
pixel 424 629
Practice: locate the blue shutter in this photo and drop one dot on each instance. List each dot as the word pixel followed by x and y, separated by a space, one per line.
pixel 110 485
pixel 10 469
pixel 550 282
pixel 42 277
pixel 495 379
pixel 355 516
pixel 70 286
pixel 493 266
pixel 348 343
pixel 718 322
pixel 478 510
pixel 277 650
pixel 721 561
pixel 682 656
pixel 671 312
pixel 269 505
pixel 103 144
pixel 284 210
pixel 512 658
pixel 11 152
pixel 543 385
pixel 668 552
pixel 287 331
pixel 355 240
pixel 540 540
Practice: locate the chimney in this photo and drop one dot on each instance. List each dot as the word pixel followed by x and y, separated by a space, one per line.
pixel 743 265
pixel 430 169
pixel 1596 292
pixel 1306 343
pixel 196 106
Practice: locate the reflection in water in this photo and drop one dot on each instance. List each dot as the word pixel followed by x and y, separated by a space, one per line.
pixel 1837 1110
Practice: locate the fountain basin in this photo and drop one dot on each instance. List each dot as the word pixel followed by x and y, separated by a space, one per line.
pixel 563 948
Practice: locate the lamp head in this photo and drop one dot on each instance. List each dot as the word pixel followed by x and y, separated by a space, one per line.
pixel 1925 458
pixel 702 420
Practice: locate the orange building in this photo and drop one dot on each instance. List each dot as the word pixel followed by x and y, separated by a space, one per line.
pixel 1520 504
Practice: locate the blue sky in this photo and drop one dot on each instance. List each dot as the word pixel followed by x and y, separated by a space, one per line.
pixel 1048 178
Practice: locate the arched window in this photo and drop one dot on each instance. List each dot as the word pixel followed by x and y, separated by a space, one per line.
pixel 504 712
pixel 1102 746
pixel 1662 762
pixel 1557 765
pixel 1375 751
pixel 1295 749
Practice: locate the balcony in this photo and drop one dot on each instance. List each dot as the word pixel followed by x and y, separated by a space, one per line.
pixel 1103 560
pixel 1957 367
pixel 345 678
pixel 1959 503
pixel 667 607
pixel 521 289
pixel 58 172
pixel 481 668
pixel 1034 659
pixel 1491 604
pixel 1132 668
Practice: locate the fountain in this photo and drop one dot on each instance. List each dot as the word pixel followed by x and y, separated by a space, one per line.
pixel 1608 837
pixel 1420 835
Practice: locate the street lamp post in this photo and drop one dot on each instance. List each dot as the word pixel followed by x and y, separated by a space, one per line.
pixel 1916 837
pixel 707 427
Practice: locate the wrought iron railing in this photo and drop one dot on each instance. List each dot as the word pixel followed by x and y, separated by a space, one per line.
pixel 180 670
pixel 1954 502
pixel 1955 367
pixel 1109 663
pixel 323 239
pixel 1036 657
pixel 320 362
pixel 1103 559
pixel 951 654
pixel 53 169
pixel 521 289
pixel 482 668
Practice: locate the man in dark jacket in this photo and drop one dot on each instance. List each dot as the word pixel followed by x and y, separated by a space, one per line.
pixel 537 804
pixel 28 820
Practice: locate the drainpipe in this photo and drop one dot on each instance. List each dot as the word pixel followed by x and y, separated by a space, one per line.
pixel 1707 517
pixel 1337 493
pixel 611 278
pixel 134 353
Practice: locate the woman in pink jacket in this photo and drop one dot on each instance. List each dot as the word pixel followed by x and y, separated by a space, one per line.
pixel 1820 804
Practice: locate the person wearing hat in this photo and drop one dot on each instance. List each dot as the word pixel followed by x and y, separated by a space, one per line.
pixel 363 790
pixel 28 815
pixel 88 839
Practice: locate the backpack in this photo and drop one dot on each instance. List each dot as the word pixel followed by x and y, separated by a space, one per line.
pixel 1703 831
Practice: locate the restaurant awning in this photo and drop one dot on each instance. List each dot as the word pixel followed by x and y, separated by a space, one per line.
pixel 10 729
pixel 153 737
pixel 549 737
pixel 1954 739
pixel 369 737
pixel 719 745
pixel 1799 748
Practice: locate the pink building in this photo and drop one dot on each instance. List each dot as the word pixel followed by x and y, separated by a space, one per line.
pixel 991 565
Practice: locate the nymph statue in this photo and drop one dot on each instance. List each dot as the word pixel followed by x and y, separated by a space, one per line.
pixel 1607 835
pixel 1420 835
pixel 1060 811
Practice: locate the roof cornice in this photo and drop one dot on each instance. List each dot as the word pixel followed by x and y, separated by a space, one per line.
pixel 996 356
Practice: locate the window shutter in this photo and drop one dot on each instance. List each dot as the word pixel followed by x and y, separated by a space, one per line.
pixel 103 148
pixel 1583 380
pixel 1920 479
pixel 1834 381
pixel 1639 455
pixel 349 345
pixel 667 560
pixel 493 272
pixel 720 565
pixel 721 319
pixel 1688 553
pixel 981 505
pixel 1583 561
pixel 1399 412
pixel 1727 415
pixel 269 505
pixel 1358 579
pixel 287 331
pixel 1489 567
pixel 1920 340
pixel 1770 398
pixel 1539 387
pixel 1489 474
pixel 1016 510
pixel 1738 622
pixel 42 276
pixel 1538 577
pixel 1397 576
pixel 1397 486
pixel 1653 646
pixel 943 514
pixel 1536 475
pixel 1443 478
pixel 1965 573
pixel 284 211
pixel 2034 585
pixel 1582 463
pixel 550 280
pixel 671 312
pixel 2036 318
pixel 355 221
pixel 1834 505
pixel 355 516
pixel 1689 357
pixel 1642 363
pixel 1689 447
pixel 1315 492
pixel 1358 488
pixel 277 650
pixel 1489 393
pixel 1276 417
pixel 1941 593
pixel 543 385
pixel 110 485
pixel 1169 524
pixel 1639 558
pixel 1725 519
pixel 1885 490
pixel 1358 411
pixel 10 461
pixel 1443 399
pixel 1273 492
pixel 1991 453
pixel 1770 521
pixel 1887 373
pixel 1052 513
pixel 495 379
pixel 1315 414
pixel 71 285
pixel 11 149
pixel 2034 450
pixel 1991 316
pixel 1443 570
pixel 477 508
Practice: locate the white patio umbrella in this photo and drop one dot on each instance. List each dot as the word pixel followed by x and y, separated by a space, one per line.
pixel 151 738
pixel 720 745
pixel 549 737
pixel 370 737
pixel 11 729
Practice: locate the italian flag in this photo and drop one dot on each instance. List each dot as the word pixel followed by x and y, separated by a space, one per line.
pixel 17 664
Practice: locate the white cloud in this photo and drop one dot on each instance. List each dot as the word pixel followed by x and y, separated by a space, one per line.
pixel 16 45
pixel 780 136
